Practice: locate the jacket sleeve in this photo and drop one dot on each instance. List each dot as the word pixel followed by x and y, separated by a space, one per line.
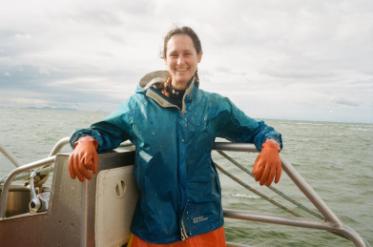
pixel 111 132
pixel 238 127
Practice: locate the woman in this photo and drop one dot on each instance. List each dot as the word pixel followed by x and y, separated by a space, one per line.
pixel 173 124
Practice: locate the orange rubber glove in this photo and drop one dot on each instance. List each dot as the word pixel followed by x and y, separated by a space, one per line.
pixel 83 161
pixel 267 166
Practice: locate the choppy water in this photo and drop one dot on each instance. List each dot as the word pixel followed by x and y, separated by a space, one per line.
pixel 335 158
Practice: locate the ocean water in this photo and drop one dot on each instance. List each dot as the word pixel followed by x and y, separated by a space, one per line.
pixel 335 158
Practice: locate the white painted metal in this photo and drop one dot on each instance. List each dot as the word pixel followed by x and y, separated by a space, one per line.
pixel 115 191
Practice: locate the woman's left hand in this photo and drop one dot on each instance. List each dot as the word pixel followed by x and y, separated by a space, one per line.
pixel 267 167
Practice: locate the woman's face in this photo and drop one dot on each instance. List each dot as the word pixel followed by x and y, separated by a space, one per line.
pixel 181 60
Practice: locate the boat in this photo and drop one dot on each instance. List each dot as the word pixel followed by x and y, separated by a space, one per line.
pixel 40 205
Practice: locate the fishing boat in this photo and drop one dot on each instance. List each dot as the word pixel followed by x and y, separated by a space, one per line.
pixel 40 205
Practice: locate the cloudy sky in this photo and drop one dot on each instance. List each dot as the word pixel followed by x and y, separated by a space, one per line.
pixel 288 59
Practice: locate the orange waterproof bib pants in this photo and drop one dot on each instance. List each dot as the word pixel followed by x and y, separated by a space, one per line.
pixel 215 238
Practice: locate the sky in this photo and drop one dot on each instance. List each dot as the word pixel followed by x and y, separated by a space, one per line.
pixel 288 59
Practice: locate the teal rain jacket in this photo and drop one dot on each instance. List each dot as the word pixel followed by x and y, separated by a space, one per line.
pixel 179 188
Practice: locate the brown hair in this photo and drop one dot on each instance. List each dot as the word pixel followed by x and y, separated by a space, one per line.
pixel 181 30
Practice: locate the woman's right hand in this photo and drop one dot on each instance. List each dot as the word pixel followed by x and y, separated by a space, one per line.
pixel 83 161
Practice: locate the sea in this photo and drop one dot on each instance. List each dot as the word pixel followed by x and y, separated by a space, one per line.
pixel 336 159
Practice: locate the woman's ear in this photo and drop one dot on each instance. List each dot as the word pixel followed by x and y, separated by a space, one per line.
pixel 199 57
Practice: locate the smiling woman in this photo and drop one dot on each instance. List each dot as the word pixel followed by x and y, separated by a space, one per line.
pixel 173 125
pixel 182 52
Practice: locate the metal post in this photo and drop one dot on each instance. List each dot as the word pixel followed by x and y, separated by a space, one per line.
pixel 9 156
pixel 248 187
pixel 310 193
pixel 333 223
pixel 339 230
pixel 59 145
pixel 278 192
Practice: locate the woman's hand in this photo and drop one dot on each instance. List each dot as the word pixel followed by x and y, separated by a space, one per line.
pixel 83 161
pixel 267 166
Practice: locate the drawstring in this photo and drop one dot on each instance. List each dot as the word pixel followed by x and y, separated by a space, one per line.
pixel 169 91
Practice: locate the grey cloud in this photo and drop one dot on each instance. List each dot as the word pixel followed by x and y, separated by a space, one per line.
pixel 136 8
pixel 57 98
pixel 96 16
pixel 301 73
pixel 346 102
pixel 257 46
pixel 113 14
pixel 6 36
pixel 368 83
pixel 33 77
pixel 24 76
pixel 8 43
pixel 25 79
pixel 224 69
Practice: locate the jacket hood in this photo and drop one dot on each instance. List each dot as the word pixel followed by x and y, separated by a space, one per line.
pixel 151 78
pixel 157 76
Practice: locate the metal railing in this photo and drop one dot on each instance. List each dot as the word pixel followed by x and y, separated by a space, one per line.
pixel 13 174
pixel 9 156
pixel 43 168
pixel 331 222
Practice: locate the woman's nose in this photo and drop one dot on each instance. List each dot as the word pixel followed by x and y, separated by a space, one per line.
pixel 180 60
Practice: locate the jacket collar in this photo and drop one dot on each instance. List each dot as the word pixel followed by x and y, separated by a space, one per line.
pixel 155 78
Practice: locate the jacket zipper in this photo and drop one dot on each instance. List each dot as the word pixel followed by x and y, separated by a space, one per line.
pixel 183 233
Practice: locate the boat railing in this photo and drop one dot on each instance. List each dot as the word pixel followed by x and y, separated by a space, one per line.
pixel 14 175
pixel 9 156
pixel 330 222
